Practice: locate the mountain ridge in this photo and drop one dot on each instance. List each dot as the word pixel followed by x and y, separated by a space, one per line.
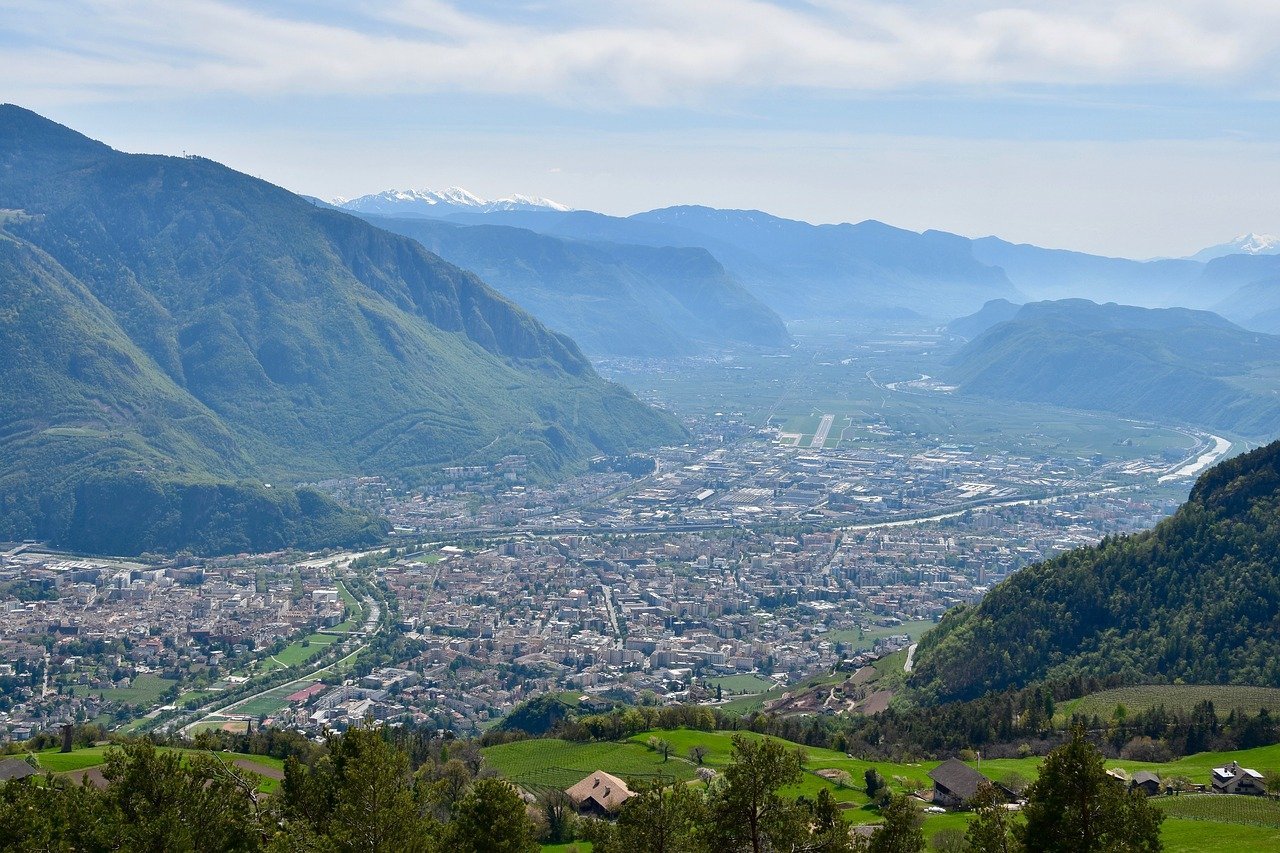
pixel 301 342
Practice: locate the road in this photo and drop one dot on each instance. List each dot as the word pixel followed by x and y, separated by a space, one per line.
pixel 613 616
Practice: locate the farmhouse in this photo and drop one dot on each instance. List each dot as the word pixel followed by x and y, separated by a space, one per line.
pixel 599 794
pixel 1146 782
pixel 955 783
pixel 15 768
pixel 1234 779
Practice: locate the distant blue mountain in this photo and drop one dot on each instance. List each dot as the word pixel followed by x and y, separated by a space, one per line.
pixel 1172 365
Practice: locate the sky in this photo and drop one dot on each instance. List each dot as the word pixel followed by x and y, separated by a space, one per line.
pixel 1138 129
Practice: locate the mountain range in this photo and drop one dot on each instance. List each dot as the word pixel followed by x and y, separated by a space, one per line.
pixel 1173 365
pixel 611 298
pixel 873 271
pixel 177 333
pixel 1197 599
pixel 1245 244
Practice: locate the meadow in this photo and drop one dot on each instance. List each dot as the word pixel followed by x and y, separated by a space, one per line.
pixel 145 689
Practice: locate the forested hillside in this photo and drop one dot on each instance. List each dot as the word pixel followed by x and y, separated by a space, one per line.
pixel 612 299
pixel 172 324
pixel 1171 365
pixel 1197 599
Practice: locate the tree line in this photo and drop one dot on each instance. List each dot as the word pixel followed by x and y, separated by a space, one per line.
pixel 371 790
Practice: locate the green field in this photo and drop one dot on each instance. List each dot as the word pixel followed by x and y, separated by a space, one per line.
pixel 145 689
pixel 81 759
pixel 1254 811
pixel 268 703
pixel 742 683
pixel 1175 697
pixel 866 639
pixel 1195 836
pixel 1195 822
pixel 551 763
pixel 296 653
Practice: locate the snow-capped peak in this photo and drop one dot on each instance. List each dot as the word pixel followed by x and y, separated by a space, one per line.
pixel 1245 244
pixel 442 201
pixel 1256 244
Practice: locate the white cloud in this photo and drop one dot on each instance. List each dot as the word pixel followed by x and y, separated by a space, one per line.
pixel 618 52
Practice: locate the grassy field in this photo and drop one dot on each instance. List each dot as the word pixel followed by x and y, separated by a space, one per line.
pixel 267 704
pixel 1195 836
pixel 559 764
pixel 866 639
pixel 1174 697
pixel 742 683
pixel 296 653
pixel 145 689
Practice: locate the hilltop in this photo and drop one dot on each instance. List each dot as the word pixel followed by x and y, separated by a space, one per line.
pixel 180 334
pixel 1171 365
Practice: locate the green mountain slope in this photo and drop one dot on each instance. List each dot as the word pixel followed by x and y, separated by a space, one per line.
pixel 1197 598
pixel 175 320
pixel 612 299
pixel 1172 365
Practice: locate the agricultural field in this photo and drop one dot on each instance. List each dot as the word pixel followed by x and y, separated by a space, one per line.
pixel 145 689
pixel 1254 811
pixel 1195 822
pixel 1174 697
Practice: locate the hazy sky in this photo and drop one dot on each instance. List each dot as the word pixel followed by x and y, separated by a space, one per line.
pixel 1132 128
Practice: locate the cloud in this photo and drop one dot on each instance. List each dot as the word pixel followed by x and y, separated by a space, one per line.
pixel 617 53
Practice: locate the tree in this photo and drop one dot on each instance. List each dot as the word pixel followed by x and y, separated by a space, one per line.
pixel 557 811
pixel 697 754
pixel 157 802
pixel 491 818
pixel 902 830
pixel 745 811
pixel 990 831
pixel 1074 806
pixel 360 795
pixel 874 782
pixel 656 820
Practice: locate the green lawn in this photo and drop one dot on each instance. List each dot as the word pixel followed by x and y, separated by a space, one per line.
pixel 145 689
pixel 549 762
pixel 267 704
pixel 850 637
pixel 742 683
pixel 1195 836
pixel 296 653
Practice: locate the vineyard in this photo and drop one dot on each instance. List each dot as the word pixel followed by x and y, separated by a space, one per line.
pixel 1223 808
pixel 1175 697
